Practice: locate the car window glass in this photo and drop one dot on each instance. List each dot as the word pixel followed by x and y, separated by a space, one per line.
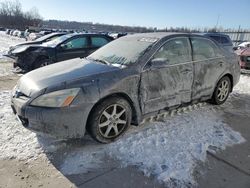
pixel 174 51
pixel 125 50
pixel 204 49
pixel 98 41
pixel 76 43
pixel 220 39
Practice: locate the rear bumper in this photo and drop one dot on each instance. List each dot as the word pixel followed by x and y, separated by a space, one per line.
pixel 64 123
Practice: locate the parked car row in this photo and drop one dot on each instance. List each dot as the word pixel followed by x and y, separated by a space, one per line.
pixel 55 47
pixel 16 33
pixel 123 82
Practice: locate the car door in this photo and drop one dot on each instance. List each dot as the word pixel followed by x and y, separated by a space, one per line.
pixel 209 65
pixel 168 76
pixel 73 48
pixel 97 42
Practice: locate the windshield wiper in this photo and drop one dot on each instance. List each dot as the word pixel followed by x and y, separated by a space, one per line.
pixel 100 60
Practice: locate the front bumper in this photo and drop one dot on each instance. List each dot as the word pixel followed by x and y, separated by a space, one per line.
pixel 64 123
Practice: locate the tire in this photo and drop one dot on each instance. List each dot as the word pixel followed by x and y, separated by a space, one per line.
pixel 105 124
pixel 221 91
pixel 41 62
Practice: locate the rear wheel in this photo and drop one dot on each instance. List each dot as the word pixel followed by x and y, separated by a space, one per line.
pixel 110 119
pixel 222 90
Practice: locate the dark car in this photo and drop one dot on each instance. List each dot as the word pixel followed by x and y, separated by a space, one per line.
pixel 127 80
pixel 222 39
pixel 40 40
pixel 29 57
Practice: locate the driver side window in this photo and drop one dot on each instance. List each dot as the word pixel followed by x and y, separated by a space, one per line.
pixel 174 51
pixel 76 43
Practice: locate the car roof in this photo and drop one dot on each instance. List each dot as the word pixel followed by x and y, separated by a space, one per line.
pixel 86 34
pixel 158 35
pixel 161 35
pixel 213 34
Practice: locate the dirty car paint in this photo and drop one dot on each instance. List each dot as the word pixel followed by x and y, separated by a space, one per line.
pixel 149 90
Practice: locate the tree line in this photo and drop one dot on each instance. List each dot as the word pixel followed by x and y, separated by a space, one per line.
pixel 12 15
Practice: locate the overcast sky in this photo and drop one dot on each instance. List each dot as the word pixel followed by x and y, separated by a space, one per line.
pixel 154 13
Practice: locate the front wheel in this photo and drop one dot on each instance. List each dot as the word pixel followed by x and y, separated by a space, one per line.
pixel 222 91
pixel 110 119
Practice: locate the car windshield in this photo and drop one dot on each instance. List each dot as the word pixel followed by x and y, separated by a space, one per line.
pixel 123 51
pixel 56 41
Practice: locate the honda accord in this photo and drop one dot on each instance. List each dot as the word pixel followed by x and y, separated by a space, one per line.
pixel 127 80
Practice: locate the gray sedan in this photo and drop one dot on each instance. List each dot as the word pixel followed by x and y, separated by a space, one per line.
pixel 127 80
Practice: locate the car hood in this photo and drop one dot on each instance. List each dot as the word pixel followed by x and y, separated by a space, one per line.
pixel 25 44
pixel 21 48
pixel 61 72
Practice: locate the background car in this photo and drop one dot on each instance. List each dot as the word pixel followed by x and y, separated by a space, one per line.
pixel 29 57
pixel 222 39
pixel 244 56
pixel 45 38
pixel 127 80
pixel 242 46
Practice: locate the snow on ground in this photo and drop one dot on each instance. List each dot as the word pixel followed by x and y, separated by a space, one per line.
pixel 167 149
pixel 6 41
pixel 244 85
pixel 16 141
pixel 6 69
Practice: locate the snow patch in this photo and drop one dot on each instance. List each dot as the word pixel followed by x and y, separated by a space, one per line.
pixel 6 41
pixel 167 150
pixel 16 142
pixel 170 149
pixel 243 87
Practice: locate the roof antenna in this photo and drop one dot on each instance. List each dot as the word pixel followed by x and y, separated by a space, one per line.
pixel 217 22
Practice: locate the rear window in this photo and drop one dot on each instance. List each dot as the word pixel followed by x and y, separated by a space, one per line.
pixel 204 49
pixel 221 39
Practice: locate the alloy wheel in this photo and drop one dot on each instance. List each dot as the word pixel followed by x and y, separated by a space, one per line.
pixel 223 90
pixel 112 121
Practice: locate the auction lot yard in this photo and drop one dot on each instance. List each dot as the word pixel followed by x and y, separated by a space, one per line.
pixel 198 146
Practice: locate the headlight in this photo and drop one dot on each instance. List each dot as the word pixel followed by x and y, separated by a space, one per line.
pixel 20 49
pixel 59 98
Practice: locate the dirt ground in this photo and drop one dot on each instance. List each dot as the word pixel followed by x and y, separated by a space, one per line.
pixel 227 168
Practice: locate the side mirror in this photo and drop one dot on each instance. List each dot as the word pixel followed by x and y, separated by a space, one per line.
pixel 158 63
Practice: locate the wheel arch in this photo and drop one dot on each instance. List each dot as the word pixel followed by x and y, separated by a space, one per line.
pixel 121 95
pixel 38 58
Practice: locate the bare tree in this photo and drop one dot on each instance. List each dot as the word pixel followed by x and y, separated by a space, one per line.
pixel 12 15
